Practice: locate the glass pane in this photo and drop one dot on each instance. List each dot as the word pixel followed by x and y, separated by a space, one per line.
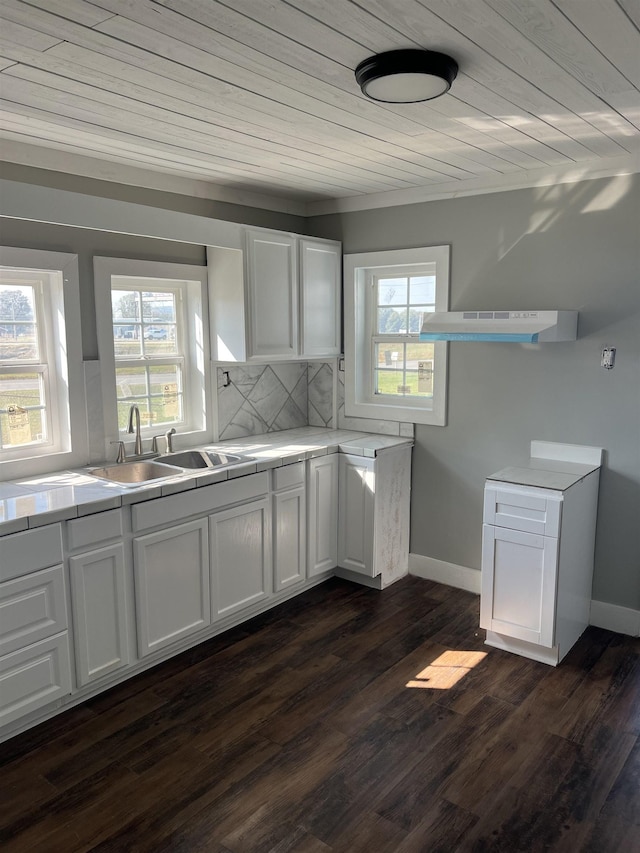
pixel 404 370
pixel 422 290
pixel 126 341
pixel 160 340
pixel 125 306
pixel 391 321
pixel 167 399
pixel 131 382
pixel 158 307
pixel 392 291
pixel 18 340
pixel 22 413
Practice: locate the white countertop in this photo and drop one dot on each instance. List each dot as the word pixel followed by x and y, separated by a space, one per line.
pixel 545 473
pixel 49 498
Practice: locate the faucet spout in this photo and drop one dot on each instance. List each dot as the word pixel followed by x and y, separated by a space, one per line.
pixel 134 413
pixel 169 438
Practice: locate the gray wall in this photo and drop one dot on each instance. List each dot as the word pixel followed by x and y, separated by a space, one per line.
pixel 572 246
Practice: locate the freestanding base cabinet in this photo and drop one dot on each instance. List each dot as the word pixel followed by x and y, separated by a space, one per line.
pixel 537 552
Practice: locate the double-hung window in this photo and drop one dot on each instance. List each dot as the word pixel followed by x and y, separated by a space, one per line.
pixel 154 348
pixel 40 362
pixel 389 373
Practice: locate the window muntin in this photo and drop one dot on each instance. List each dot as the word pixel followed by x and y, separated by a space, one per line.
pixel 27 386
pixel 154 350
pixel 41 368
pixel 148 342
pixel 401 365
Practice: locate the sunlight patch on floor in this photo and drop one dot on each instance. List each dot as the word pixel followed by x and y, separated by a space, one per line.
pixel 447 670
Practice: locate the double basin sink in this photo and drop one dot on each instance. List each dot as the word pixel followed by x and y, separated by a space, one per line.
pixel 139 472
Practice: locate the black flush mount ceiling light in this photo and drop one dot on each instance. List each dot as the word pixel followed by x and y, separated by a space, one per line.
pixel 406 76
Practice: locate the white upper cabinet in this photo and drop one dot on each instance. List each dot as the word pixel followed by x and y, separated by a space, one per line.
pixel 282 302
pixel 319 298
pixel 272 294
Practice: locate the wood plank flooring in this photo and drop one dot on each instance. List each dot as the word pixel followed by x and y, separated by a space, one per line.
pixel 297 733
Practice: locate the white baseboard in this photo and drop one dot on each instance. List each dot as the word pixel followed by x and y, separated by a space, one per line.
pixel 447 573
pixel 622 620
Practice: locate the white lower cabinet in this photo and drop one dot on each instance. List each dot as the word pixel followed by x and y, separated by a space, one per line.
pixel 519 584
pixel 171 573
pixel 240 556
pixel 322 514
pixel 35 665
pixel 373 530
pixel 99 608
pixel 289 526
pixel 356 499
pixel 537 565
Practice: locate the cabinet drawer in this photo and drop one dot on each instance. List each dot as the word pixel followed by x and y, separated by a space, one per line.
pixel 93 529
pixel 23 553
pixel 522 509
pixel 288 476
pixel 34 677
pixel 32 608
pixel 166 511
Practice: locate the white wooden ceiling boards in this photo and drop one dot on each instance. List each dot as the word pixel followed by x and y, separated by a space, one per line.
pixel 257 99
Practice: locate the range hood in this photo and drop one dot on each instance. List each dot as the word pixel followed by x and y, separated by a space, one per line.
pixel 510 326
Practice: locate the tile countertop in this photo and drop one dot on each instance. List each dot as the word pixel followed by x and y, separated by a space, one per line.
pixel 49 498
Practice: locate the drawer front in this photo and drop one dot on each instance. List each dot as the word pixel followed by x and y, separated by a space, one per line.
pixel 289 476
pixel 93 529
pixel 23 553
pixel 34 677
pixel 166 511
pixel 32 608
pixel 520 509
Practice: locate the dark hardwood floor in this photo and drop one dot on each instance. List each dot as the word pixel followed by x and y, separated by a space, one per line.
pixel 298 733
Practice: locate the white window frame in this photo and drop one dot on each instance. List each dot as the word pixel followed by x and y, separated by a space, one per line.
pixel 361 331
pixel 61 352
pixel 196 369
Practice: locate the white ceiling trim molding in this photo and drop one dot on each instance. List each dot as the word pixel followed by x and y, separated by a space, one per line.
pixel 59 160
pixel 604 168
pixel 63 161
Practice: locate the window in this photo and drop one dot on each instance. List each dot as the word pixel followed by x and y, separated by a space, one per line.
pixel 154 346
pixel 40 361
pixel 389 373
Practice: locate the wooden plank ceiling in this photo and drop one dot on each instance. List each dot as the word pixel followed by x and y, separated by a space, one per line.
pixel 259 95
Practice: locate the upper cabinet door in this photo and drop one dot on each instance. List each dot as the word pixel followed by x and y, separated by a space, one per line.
pixel 320 294
pixel 272 291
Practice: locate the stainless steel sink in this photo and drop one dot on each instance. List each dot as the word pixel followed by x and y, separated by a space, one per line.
pixel 136 473
pixel 200 459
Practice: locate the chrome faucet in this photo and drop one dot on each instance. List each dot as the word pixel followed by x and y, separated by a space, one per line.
pixel 135 411
pixel 169 439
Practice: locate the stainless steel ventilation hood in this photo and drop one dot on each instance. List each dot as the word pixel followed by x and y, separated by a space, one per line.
pixel 506 326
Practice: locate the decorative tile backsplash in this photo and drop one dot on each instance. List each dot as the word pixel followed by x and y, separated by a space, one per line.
pixel 262 398
pixel 267 398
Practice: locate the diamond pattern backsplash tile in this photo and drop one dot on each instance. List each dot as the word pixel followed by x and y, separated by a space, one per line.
pixel 261 398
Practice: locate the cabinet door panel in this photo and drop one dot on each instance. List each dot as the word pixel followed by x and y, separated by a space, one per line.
pixel 320 298
pixel 289 528
pixel 272 294
pixel 32 608
pixel 322 508
pixel 99 605
pixel 240 556
pixel 518 584
pixel 356 499
pixel 33 677
pixel 172 585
